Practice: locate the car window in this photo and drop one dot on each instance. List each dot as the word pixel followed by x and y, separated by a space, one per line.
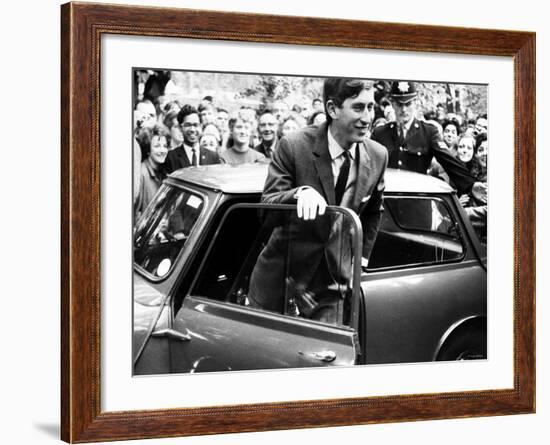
pixel 416 231
pixel 165 226
pixel 270 260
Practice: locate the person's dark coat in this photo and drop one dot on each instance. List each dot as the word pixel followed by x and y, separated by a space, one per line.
pixel 177 158
pixel 303 159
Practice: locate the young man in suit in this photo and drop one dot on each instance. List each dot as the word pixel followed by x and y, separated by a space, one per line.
pixel 333 164
pixel 189 153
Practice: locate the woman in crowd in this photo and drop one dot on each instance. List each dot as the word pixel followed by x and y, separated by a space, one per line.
pixel 475 203
pixel 154 143
pixel 466 150
pixel 209 141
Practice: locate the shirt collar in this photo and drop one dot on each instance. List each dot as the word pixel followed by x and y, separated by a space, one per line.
pixel 336 149
pixel 188 149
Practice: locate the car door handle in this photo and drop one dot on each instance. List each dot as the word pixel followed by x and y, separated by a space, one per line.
pixel 322 356
pixel 171 333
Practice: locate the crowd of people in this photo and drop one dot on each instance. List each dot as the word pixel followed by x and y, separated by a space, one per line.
pixel 170 134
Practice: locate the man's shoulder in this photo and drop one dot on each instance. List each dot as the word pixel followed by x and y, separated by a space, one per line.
pixel 376 149
pixel 175 152
pixel 385 129
pixel 426 126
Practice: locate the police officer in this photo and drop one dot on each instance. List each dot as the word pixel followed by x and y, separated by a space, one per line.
pixel 412 143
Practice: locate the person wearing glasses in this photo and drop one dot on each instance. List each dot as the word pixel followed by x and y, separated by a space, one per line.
pixel 189 152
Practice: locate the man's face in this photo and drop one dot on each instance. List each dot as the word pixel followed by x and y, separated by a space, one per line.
pixel 450 135
pixel 404 112
pixel 350 122
pixel 318 105
pixel 221 120
pixel 280 110
pixel 241 133
pixel 191 129
pixel 267 127
pixel 207 116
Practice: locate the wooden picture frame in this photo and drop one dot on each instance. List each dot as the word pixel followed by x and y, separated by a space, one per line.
pixel 82 26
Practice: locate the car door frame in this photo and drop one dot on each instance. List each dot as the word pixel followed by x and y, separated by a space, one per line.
pixel 356 279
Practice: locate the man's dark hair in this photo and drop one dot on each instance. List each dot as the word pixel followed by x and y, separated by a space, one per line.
pixel 222 110
pixel 266 111
pixel 339 89
pixel 452 121
pixel 185 111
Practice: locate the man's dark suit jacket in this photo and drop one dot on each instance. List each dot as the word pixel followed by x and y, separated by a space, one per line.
pixel 415 152
pixel 261 149
pixel 177 158
pixel 303 159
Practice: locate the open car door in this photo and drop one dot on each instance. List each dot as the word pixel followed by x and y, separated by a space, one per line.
pixel 273 291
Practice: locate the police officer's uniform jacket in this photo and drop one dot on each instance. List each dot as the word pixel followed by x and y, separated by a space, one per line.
pixel 415 151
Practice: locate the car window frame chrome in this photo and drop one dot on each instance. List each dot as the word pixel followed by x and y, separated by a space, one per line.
pixel 200 221
pixel 464 235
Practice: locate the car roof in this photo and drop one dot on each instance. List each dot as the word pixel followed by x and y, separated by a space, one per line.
pixel 250 178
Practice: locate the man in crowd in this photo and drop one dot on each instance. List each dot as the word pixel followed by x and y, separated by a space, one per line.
pixel 240 152
pixel 280 110
pixel 189 153
pixel 332 164
pixel 222 122
pixel 207 113
pixel 267 128
pixel 317 105
pixel 412 144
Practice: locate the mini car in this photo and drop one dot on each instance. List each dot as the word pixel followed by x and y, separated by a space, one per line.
pixel 421 297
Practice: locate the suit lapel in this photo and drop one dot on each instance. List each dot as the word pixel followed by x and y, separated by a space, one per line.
pixel 363 174
pixel 323 163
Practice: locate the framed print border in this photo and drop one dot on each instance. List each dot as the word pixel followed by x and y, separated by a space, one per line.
pixel 82 26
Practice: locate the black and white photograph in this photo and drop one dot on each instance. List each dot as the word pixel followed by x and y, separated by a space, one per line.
pixel 302 221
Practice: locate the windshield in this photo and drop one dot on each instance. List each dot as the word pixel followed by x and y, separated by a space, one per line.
pixel 162 231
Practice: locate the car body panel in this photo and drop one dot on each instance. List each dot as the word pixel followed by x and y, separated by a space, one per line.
pixel 226 337
pixel 411 299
